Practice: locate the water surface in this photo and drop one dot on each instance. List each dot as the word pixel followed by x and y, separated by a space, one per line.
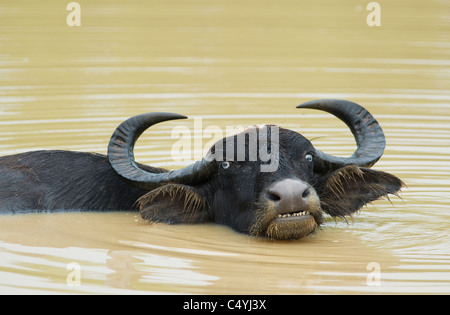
pixel 229 64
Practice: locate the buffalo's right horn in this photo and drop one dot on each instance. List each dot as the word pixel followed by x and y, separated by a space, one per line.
pixel 121 157
pixel 367 132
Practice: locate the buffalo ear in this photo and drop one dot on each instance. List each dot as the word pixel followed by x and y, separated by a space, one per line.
pixel 174 203
pixel 349 188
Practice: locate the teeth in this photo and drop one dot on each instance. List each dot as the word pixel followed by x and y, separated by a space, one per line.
pixel 295 214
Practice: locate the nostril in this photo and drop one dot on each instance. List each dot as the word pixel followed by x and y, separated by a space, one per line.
pixel 305 193
pixel 273 197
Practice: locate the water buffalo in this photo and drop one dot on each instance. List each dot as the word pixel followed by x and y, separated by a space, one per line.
pixel 286 201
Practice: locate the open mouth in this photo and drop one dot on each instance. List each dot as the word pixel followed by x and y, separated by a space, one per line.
pixel 293 225
pixel 293 214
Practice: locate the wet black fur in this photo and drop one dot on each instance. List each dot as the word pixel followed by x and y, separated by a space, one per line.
pixel 62 180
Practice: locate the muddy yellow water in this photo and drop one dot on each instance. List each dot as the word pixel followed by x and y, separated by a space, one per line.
pixel 229 64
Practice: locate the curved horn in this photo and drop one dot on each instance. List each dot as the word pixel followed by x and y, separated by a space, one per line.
pixel 367 132
pixel 121 156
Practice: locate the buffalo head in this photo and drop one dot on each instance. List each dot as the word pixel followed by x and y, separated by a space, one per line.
pixel 265 181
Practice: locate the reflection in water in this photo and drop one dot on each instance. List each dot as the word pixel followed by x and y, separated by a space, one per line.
pixel 181 259
pixel 230 64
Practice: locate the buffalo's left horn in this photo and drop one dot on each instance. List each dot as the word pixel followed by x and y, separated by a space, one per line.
pixel 121 156
pixel 367 132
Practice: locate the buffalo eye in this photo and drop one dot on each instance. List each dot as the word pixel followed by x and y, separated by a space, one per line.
pixel 309 158
pixel 225 165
